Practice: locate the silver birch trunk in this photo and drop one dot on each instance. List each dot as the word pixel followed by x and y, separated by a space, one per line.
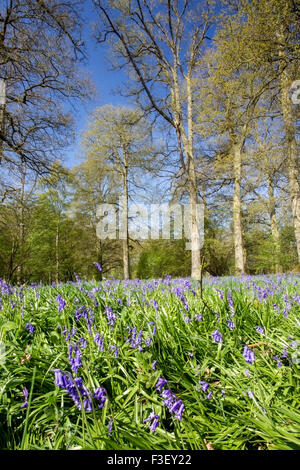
pixel 57 253
pixel 126 262
pixel 273 218
pixel 292 148
pixel 237 212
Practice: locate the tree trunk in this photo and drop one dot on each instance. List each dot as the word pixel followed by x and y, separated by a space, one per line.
pixel 237 212
pixel 57 253
pixel 195 236
pixel 293 168
pixel 21 224
pixel 126 261
pixel 273 218
pixel 2 114
pixel 292 163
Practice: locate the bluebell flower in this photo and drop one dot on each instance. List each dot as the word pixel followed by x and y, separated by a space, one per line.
pixel 248 355
pixel 217 336
pixel 260 330
pixel 111 317
pixel 155 421
pixel 98 266
pixel 99 341
pixel 179 413
pixel 61 303
pixel 60 378
pixel 29 327
pixel 204 386
pixel 110 426
pixel 25 393
pixel 160 384
pixel 100 395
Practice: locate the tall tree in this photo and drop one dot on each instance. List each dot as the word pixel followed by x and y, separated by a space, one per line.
pixel 160 43
pixel 121 138
pixel 269 32
pixel 40 48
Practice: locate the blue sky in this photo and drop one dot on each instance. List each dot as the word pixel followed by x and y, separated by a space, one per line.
pixel 104 79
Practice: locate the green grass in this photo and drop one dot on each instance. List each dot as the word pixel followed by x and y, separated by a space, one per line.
pixel 259 411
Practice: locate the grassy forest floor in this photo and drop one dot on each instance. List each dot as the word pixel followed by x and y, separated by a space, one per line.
pixel 151 364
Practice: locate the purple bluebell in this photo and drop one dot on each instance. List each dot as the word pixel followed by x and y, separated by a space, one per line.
pixel 204 386
pixel 100 395
pixel 285 353
pixel 279 363
pixel 155 420
pixel 160 384
pixel 110 426
pixel 60 379
pixel 99 341
pixel 217 336
pixel 114 349
pixel 29 327
pixel 75 362
pixel 98 266
pixel 260 329
pixel 25 393
pixel 154 365
pixel 83 342
pixel 111 317
pixel 230 324
pixel 248 355
pixel 61 303
pixel 179 413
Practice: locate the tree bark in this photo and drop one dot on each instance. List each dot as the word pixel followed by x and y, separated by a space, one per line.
pixel 57 253
pixel 292 148
pixel 273 218
pixel 195 237
pixel 21 223
pixel 126 261
pixel 237 212
pixel 293 165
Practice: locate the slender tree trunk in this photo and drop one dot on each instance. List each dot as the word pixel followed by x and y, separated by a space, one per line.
pixel 126 261
pixel 21 224
pixel 2 114
pixel 293 164
pixel 237 212
pixel 292 148
pixel 195 236
pixel 57 253
pixel 273 218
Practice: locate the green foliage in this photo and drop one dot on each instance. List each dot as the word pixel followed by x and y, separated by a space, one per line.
pixel 246 410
